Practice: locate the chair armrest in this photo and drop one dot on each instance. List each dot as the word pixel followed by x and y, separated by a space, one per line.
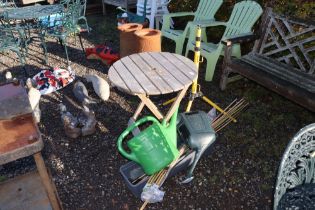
pixel 167 18
pixel 208 23
pixel 179 14
pixel 243 38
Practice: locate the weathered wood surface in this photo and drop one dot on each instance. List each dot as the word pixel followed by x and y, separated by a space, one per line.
pixel 289 41
pixel 19 135
pixel 283 59
pixel 152 73
pixel 19 138
pixel 13 101
pixel 47 182
pixel 277 69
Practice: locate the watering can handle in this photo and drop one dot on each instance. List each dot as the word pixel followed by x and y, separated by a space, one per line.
pixel 131 156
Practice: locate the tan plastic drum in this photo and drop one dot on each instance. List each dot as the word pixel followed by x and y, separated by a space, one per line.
pixel 128 38
pixel 148 40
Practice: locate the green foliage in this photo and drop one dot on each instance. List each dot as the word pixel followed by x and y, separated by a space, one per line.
pixel 2 178
pixel 298 8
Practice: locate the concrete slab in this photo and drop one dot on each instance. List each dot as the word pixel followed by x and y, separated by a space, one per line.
pixel 23 193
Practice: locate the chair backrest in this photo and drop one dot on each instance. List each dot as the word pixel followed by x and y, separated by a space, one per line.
pixel 207 9
pixel 288 40
pixel 67 19
pixel 9 34
pixel 298 163
pixel 243 17
pixel 161 7
pixel 74 12
pixel 7 3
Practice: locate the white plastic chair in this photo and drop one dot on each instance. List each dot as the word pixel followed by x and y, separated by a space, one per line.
pixel 154 11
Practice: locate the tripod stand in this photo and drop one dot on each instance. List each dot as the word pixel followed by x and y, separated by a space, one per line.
pixel 196 88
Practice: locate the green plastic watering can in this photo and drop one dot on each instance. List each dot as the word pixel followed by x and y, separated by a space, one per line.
pixel 153 148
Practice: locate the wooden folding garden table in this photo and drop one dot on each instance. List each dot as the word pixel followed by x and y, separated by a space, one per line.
pixel 153 73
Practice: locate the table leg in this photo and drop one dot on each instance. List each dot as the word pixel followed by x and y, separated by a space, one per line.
pixel 151 106
pixel 175 104
pixel 132 120
pixel 138 110
pixel 46 181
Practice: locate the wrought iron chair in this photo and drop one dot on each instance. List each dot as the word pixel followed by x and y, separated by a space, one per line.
pixel 298 163
pixel 11 39
pixel 7 3
pixel 65 24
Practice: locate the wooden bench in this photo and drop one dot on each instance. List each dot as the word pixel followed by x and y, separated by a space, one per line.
pixel 283 58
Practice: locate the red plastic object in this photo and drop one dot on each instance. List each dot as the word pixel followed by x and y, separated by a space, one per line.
pixel 103 53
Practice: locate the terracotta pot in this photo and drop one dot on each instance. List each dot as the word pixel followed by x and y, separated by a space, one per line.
pixel 128 38
pixel 148 40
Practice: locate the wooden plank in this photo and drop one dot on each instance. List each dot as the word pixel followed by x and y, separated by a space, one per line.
pixel 128 78
pixel 116 80
pixel 164 73
pixel 138 111
pixel 156 79
pixel 282 87
pixel 281 71
pixel 184 64
pixel 47 182
pixel 175 104
pixel 142 79
pixel 151 106
pixel 178 74
pixel 186 61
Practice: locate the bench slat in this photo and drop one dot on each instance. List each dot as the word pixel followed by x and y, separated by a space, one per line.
pixel 281 70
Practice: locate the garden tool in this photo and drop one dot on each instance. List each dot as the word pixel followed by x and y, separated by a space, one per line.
pixel 195 87
pixel 153 148
pixel 195 129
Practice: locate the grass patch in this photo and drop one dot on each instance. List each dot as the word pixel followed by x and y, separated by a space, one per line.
pixel 3 178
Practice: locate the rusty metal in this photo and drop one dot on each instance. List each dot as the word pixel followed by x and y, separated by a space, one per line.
pixel 20 137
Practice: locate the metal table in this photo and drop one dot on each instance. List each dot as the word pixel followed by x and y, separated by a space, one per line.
pixel 33 12
pixel 155 73
pixel 299 197
pixel 27 19
pixel 20 137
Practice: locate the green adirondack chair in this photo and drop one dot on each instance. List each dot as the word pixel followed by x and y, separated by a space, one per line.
pixel 242 19
pixel 204 13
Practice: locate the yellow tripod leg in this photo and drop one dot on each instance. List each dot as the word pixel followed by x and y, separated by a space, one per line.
pixel 169 101
pixel 218 108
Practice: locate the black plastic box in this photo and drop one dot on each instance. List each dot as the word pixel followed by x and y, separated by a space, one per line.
pixel 131 170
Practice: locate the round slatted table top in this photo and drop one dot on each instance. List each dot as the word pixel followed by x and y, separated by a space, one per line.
pixel 152 73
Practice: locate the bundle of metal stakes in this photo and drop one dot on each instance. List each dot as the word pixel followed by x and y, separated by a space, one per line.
pixel 221 121
pixel 234 110
pixel 159 177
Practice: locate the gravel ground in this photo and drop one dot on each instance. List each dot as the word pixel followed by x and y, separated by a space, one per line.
pixel 239 174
